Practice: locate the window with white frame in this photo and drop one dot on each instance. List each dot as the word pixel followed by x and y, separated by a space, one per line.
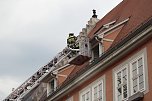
pixel 51 86
pixel 97 51
pixel 137 75
pixel 97 91
pixel 86 95
pixel 121 84
pixel 94 92
pixel 131 77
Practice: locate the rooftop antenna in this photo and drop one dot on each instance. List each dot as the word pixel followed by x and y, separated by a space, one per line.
pixel 94 14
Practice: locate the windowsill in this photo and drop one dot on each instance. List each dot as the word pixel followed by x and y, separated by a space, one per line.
pixel 136 97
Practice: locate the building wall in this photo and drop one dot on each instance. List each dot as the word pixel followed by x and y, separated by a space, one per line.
pixel 148 96
pixel 109 75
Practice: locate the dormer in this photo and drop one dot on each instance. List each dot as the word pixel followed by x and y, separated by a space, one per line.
pixel 51 86
pixel 104 37
pixel 56 77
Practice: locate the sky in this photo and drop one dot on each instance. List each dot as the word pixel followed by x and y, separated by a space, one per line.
pixel 32 32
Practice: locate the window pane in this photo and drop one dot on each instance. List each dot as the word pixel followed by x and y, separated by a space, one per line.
pixel 95 92
pixel 141 79
pixel 134 65
pixel 121 88
pixel 141 85
pixel 135 89
pixel 141 82
pixel 134 69
pixel 135 86
pixel 119 79
pixel 140 62
pixel 83 97
pixel 140 70
pixel 87 96
pixel 134 73
pixel 100 92
pixel 119 91
pixel 119 98
pixel 124 73
pixel 134 82
pixel 125 91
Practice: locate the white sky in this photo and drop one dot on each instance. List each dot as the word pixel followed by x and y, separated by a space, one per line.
pixel 33 31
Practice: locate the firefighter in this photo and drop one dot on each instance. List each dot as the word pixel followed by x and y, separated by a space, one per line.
pixel 71 41
pixel 76 45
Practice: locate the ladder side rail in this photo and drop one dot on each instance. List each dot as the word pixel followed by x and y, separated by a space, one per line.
pixel 22 86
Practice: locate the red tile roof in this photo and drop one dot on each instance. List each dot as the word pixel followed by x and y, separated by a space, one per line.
pixel 137 10
pixel 77 68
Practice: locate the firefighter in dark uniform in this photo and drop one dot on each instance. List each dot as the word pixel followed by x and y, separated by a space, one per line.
pixel 71 41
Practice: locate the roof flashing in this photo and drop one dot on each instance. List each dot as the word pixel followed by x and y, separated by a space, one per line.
pixel 106 26
pixel 111 28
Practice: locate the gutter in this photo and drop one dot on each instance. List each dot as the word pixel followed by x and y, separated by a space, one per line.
pixel 129 43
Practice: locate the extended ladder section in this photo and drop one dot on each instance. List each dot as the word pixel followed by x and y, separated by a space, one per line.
pixel 59 60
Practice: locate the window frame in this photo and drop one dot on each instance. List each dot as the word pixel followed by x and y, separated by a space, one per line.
pixel 49 88
pixel 115 78
pixel 143 53
pixel 97 85
pixel 84 94
pixel 90 87
pixel 131 74
pixel 98 48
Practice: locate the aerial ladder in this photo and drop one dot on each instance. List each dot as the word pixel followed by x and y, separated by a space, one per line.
pixel 59 60
pixel 69 55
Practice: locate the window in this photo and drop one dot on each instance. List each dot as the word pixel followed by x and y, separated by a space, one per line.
pixel 51 86
pixel 97 51
pixel 85 96
pixel 94 92
pixel 131 77
pixel 97 91
pixel 121 84
pixel 137 75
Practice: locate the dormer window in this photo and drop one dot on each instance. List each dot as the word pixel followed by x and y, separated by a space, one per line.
pixel 104 37
pixel 97 51
pixel 96 48
pixel 51 86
